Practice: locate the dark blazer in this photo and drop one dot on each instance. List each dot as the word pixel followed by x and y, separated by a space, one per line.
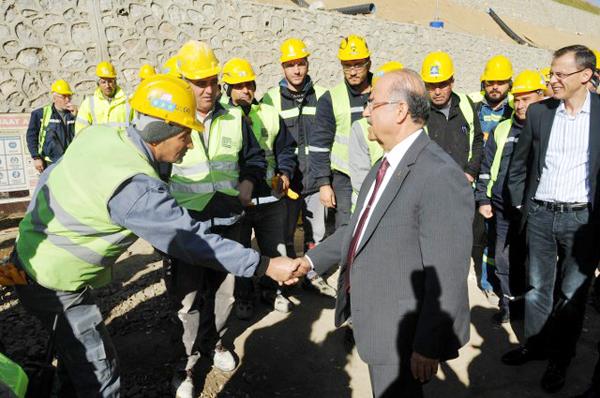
pixel 529 156
pixel 409 275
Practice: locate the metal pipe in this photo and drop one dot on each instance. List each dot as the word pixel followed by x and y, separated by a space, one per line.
pixel 367 8
pixel 506 28
pixel 301 3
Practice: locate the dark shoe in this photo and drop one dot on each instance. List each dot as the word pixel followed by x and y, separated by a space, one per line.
pixel 501 317
pixel 554 376
pixel 244 309
pixel 521 355
pixel 592 392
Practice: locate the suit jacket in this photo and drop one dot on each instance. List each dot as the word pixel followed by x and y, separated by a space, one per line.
pixel 409 275
pixel 529 156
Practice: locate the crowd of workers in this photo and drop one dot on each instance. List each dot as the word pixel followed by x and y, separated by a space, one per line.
pixel 253 168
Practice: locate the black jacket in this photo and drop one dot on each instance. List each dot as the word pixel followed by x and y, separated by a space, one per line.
pixel 528 159
pixel 301 128
pixel 59 134
pixel 453 136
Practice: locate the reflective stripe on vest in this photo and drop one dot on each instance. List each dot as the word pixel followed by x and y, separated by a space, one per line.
pixel 273 97
pixel 467 111
pixel 340 102
pixel 206 170
pixel 501 137
pixel 116 113
pixel 68 240
pixel 47 113
pixel 265 126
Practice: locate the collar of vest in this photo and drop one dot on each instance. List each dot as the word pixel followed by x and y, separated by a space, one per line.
pixel 141 145
pixel 308 85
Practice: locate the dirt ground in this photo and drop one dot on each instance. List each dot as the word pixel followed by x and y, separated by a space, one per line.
pixel 299 354
pixel 462 19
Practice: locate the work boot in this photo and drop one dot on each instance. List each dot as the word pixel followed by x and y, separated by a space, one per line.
pixel 244 309
pixel 500 317
pixel 223 359
pixel 318 284
pixel 554 376
pixel 183 384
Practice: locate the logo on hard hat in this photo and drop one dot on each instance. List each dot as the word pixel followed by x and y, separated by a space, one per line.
pixel 242 73
pixel 434 70
pixel 165 102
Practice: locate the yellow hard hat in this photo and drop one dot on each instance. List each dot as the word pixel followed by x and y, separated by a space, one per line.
pixel 391 66
pixel 353 47
pixel 238 70
pixel 498 68
pixel 170 67
pixel 292 49
pixel 106 69
pixel 61 87
pixel 597 54
pixel 146 71
pixel 546 73
pixel 437 67
pixel 196 60
pixel 168 98
pixel 527 81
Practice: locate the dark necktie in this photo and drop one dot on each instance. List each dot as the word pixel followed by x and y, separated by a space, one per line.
pixel 363 219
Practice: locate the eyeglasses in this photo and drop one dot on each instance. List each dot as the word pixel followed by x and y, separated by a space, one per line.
pixel 562 76
pixel 371 105
pixel 357 67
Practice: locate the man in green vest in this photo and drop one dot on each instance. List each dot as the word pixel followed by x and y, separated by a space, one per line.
pixel 336 111
pixel 364 150
pixel 492 193
pixel 52 128
pixel 214 181
pixel 268 214
pixel 108 105
pixel 76 227
pixel 295 97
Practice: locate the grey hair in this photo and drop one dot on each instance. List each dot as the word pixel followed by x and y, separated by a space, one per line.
pixel 153 129
pixel 409 88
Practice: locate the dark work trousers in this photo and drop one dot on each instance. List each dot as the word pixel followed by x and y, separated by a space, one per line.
pixel 313 221
pixel 509 254
pixel 268 222
pixel 87 359
pixel 203 299
pixel 342 187
pixel 482 253
pixel 555 303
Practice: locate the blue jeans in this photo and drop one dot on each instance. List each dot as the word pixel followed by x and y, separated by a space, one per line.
pixel 555 303
pixel 88 365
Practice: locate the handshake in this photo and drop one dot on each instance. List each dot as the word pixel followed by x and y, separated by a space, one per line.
pixel 287 270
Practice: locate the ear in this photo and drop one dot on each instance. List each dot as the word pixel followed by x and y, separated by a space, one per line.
pixel 586 76
pixel 401 112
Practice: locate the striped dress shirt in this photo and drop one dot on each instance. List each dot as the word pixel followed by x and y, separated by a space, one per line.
pixel 566 166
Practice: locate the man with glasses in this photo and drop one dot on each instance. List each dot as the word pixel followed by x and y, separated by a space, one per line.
pixel 336 111
pixel 51 128
pixel 295 97
pixel 553 179
pixel 214 181
pixel 108 105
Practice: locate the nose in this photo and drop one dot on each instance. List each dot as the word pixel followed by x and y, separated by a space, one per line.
pixel 296 69
pixel 366 112
pixel 437 91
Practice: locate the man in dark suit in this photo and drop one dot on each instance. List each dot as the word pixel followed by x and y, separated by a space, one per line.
pixel 553 180
pixel 405 253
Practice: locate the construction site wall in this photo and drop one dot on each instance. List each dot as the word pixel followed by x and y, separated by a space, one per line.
pixel 42 40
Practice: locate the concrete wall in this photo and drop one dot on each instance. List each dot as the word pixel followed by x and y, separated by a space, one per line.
pixel 41 41
pixel 541 12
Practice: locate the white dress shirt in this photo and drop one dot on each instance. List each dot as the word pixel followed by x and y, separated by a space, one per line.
pixel 394 157
pixel 566 166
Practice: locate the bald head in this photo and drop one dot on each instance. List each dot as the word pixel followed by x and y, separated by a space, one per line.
pixel 398 106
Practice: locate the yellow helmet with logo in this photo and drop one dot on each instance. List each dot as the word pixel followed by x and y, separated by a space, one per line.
pixel 292 49
pixel 106 70
pixel 498 68
pixel 168 98
pixel 196 60
pixel 437 67
pixel 391 66
pixel 61 87
pixel 527 81
pixel 146 71
pixel 353 47
pixel 238 70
